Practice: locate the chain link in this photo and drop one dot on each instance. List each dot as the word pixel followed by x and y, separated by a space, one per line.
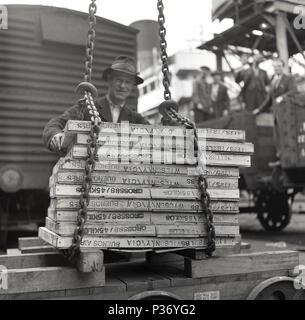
pixel 203 185
pixel 92 156
pixel 90 41
pixel 163 47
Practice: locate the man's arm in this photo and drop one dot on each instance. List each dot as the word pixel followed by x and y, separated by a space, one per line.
pixel 56 125
pixel 264 106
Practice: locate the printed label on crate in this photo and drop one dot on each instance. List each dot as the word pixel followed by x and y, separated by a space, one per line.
pixel 230 147
pixel 129 242
pixel 74 164
pixel 71 203
pixel 139 142
pixel 190 194
pixel 137 156
pixel 216 158
pixel 74 177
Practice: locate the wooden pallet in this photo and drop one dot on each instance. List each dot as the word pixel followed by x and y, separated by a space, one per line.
pixel 48 276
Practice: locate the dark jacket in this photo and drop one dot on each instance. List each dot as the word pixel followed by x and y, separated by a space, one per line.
pixel 286 86
pixel 57 124
pixel 248 77
pixel 222 102
pixel 202 94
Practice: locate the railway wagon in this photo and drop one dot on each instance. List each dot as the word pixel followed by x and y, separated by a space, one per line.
pixel 272 185
pixel 41 62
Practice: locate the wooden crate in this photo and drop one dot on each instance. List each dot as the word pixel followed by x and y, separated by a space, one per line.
pixel 259 131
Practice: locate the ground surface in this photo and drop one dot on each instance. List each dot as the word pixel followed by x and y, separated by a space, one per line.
pixel 292 238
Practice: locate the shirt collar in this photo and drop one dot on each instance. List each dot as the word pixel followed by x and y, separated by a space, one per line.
pixel 112 104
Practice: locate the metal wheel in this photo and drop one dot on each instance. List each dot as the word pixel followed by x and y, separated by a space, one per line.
pixel 278 288
pixel 155 295
pixel 273 208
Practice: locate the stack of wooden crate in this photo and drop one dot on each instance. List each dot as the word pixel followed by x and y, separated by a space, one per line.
pixel 145 192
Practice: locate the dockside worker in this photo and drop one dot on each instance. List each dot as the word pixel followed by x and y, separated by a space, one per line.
pixel 281 86
pixel 121 77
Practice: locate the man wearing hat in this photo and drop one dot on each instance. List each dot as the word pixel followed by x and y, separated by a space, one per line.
pixel 219 96
pixel 255 81
pixel 202 95
pixel 121 77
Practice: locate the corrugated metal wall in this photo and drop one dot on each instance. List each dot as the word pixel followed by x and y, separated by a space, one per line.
pixel 41 62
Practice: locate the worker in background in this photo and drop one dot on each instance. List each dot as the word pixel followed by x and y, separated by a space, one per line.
pixel 219 96
pixel 281 85
pixel 121 77
pixel 202 95
pixel 255 83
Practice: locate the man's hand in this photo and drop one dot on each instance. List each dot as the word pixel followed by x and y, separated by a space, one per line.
pixel 279 99
pixel 225 113
pixel 256 112
pixel 56 142
pixel 199 106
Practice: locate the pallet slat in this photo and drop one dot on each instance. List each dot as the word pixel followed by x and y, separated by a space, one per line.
pixel 128 205
pixel 137 242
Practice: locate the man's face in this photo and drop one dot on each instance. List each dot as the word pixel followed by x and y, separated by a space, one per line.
pixel 120 86
pixel 217 78
pixel 278 67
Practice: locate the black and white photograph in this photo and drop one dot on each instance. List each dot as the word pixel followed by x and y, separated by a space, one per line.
pixel 152 150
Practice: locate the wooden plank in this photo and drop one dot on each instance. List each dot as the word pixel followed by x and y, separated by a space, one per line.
pixel 119 191
pixel 208 158
pixel 145 230
pixel 224 146
pixel 136 156
pixel 24 242
pixel 139 277
pixel 158 169
pixel 126 128
pixel 141 217
pixel 138 242
pixel 242 263
pixel 138 142
pixel 90 261
pixel 33 260
pixel 97 191
pixel 51 278
pixel 76 177
pixel 225 159
pixel 101 216
pixel 192 230
pixel 184 218
pixel 72 203
pixel 38 249
pixel 165 143
pixel 191 194
pixel 102 204
pixel 67 229
pixel 221 134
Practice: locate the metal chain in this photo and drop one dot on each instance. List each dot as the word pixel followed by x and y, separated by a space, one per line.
pixel 163 47
pixel 89 93
pixel 92 156
pixel 90 41
pixel 168 111
pixel 203 185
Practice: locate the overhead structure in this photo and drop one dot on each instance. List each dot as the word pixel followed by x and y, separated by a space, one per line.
pixel 269 26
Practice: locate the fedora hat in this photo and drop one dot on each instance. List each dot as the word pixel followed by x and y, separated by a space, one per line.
pixel 125 65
